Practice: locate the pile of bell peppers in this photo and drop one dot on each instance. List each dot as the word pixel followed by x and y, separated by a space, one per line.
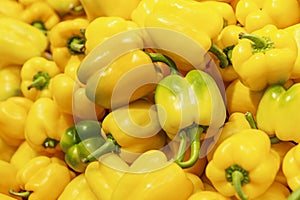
pixel 150 99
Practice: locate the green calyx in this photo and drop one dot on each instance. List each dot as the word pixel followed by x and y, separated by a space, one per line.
pixel 76 45
pixel 259 44
pixel 219 53
pixel 193 133
pixel 23 194
pixel 158 57
pixel 40 81
pixel 40 25
pixel 228 53
pixel 238 177
pixel 50 143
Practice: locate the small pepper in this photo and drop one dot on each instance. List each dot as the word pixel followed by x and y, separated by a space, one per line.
pixel 264 57
pixel 40 15
pixel 253 14
pixel 36 75
pixel 77 189
pixel 17 36
pixel 10 82
pixel 42 178
pixel 13 115
pixel 239 165
pixel 131 129
pixel 66 39
pixel 45 125
pixel 98 8
pixel 276 112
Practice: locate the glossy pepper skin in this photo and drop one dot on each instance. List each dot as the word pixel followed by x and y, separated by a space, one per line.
pixel 41 175
pixel 264 57
pixel 8 177
pixel 10 9
pixel 275 191
pixel 131 130
pixel 45 125
pixel 40 15
pixel 78 141
pixel 66 39
pixel 77 189
pixel 94 33
pixel 186 105
pixel 68 7
pixel 255 14
pixel 103 176
pixel 6 151
pixel 290 167
pixel 151 176
pixel 36 75
pixel 10 82
pixel 17 36
pixel 204 195
pixel 239 164
pixel 276 103
pixel 98 8
pixel 116 85
pixel 295 30
pixel 13 115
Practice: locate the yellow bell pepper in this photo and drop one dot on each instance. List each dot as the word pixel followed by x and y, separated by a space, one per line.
pixel 98 8
pixel 67 7
pixel 197 182
pixel 206 195
pixel 17 36
pixel 264 57
pixel 276 191
pixel 40 15
pixel 282 148
pixel 13 116
pixel 236 122
pixel 10 82
pixel 42 178
pixel 45 124
pixel 240 98
pixel 240 164
pixel 103 176
pixel 151 176
pixel 226 40
pixel 255 14
pixel 36 75
pixel 26 3
pixel 6 151
pixel 291 166
pixel 66 39
pixel 295 31
pixel 78 189
pixel 10 8
pixel 8 179
pixel 131 130
pixel 94 33
pixel 6 197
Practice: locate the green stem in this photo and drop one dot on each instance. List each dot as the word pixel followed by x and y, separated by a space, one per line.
pixel 110 145
pixel 182 146
pixel 40 25
pixel 76 45
pixel 194 134
pixel 40 81
pixel 238 177
pixel 295 195
pixel 228 53
pixel 274 140
pixel 77 8
pixel 24 194
pixel 223 60
pixel 158 57
pixel 50 143
pixel 260 44
pixel 249 117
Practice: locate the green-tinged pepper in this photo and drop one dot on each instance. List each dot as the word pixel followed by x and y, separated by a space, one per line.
pixel 131 130
pixel 277 112
pixel 186 107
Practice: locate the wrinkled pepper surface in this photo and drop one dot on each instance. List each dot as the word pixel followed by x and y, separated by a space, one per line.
pixel 131 130
pixel 277 104
pixel 66 39
pixel 17 36
pixel 186 106
pixel 255 14
pixel 42 178
pixel 264 57
pixel 239 165
pixel 45 125
pixel 36 75
pixel 10 82
pixel 13 115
